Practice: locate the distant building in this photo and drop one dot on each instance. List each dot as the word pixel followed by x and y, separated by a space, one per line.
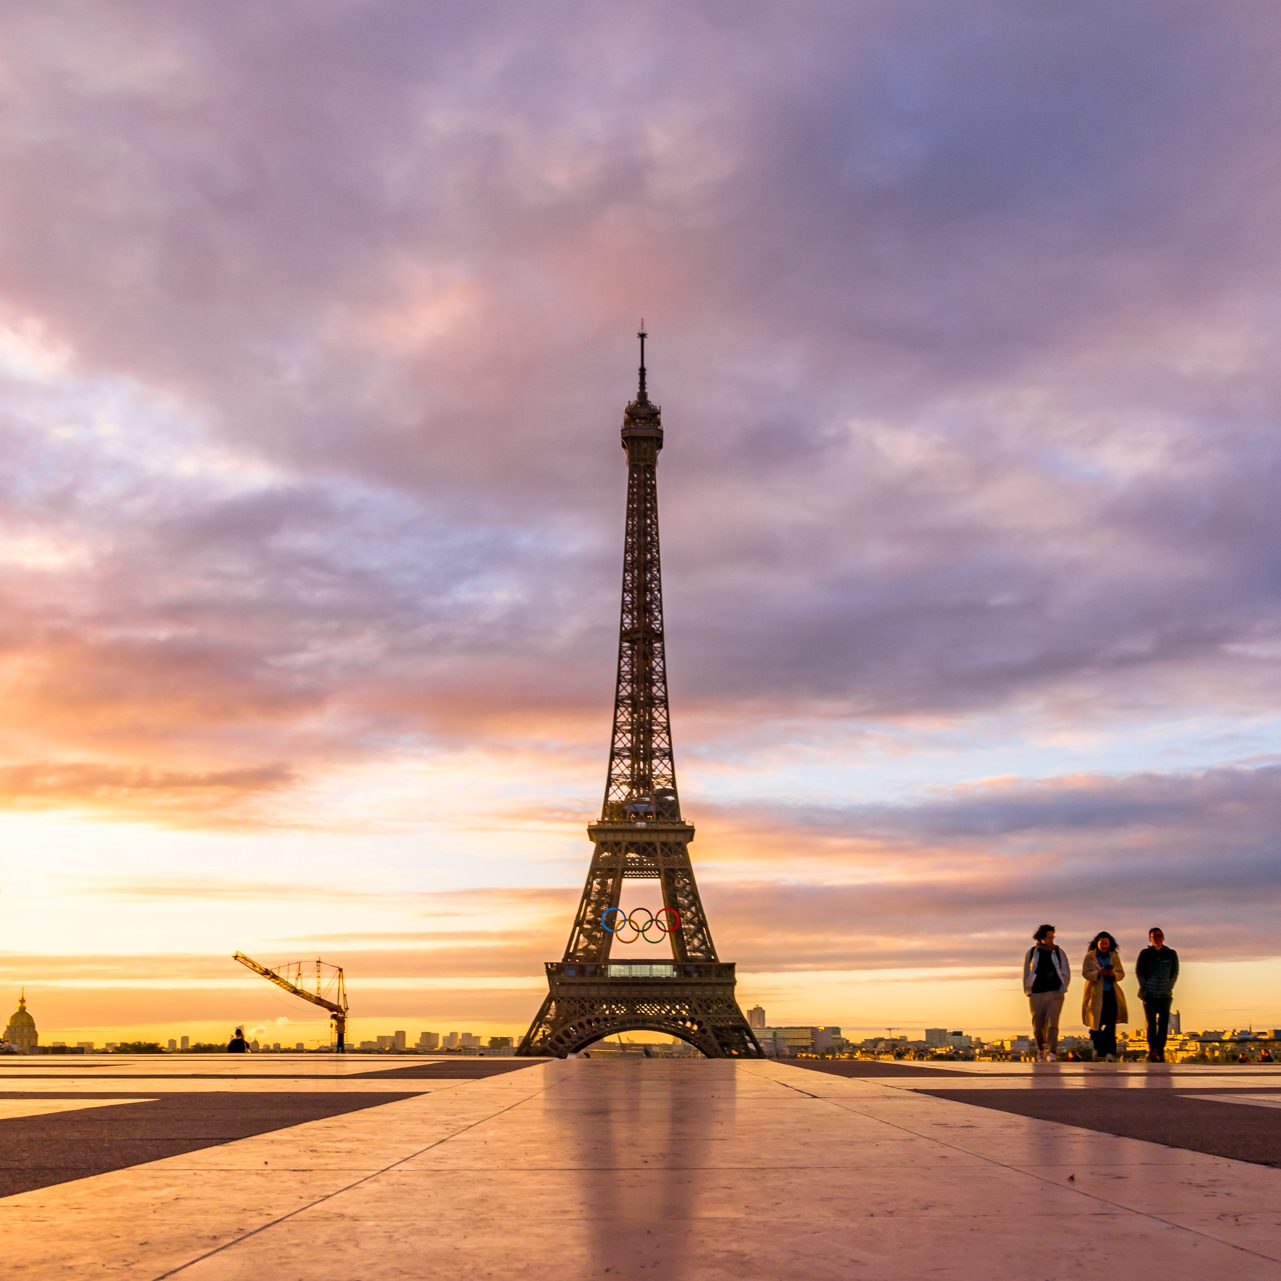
pixel 756 1017
pixel 429 1041
pixel 398 1039
pixel 386 1042
pixel 21 1029
pixel 1176 1023
pixel 936 1036
pixel 451 1041
pixel 184 1043
pixel 173 1045
pixel 783 1042
pixel 501 1045
pixel 469 1041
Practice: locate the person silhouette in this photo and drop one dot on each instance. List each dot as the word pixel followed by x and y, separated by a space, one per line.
pixel 1158 971
pixel 1046 975
pixel 238 1044
pixel 1103 1006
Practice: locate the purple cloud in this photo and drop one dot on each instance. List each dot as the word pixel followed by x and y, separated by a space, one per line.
pixel 315 336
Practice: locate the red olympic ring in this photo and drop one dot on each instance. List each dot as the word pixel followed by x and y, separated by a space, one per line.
pixel 628 921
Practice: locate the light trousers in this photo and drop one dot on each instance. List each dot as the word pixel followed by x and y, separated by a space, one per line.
pixel 1045 1019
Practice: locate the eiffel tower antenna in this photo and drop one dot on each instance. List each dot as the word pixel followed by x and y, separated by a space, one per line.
pixel 642 335
pixel 640 834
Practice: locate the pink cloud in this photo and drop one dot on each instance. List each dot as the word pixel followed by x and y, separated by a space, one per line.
pixel 318 338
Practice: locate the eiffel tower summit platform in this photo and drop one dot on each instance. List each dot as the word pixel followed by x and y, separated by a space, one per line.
pixel 316 1168
pixel 641 834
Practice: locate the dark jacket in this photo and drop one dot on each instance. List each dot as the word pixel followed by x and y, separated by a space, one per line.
pixel 237 1045
pixel 1157 970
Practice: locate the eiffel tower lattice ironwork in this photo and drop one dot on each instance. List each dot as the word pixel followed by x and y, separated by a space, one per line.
pixel 641 835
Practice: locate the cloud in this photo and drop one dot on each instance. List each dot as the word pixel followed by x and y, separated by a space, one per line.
pixel 960 875
pixel 952 880
pixel 209 798
pixel 1237 801
pixel 942 518
pixel 315 333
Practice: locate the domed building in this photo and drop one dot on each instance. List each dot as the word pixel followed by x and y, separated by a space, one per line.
pixel 21 1030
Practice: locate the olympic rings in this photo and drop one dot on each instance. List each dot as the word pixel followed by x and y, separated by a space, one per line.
pixel 630 921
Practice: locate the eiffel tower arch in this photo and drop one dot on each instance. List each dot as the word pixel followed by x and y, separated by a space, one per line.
pixel 641 834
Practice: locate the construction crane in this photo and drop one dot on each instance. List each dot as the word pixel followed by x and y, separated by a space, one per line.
pixel 290 977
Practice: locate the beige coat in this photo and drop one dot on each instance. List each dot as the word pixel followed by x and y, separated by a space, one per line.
pixel 1092 1001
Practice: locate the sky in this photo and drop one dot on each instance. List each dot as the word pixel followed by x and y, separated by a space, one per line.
pixel 316 328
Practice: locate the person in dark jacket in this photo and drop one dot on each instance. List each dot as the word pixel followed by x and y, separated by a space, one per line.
pixel 1046 974
pixel 238 1044
pixel 1157 970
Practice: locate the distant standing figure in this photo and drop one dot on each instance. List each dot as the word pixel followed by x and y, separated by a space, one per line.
pixel 1046 975
pixel 1103 1005
pixel 1158 971
pixel 238 1044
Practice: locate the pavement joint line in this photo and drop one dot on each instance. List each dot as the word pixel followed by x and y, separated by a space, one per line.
pixel 1014 1169
pixel 244 1236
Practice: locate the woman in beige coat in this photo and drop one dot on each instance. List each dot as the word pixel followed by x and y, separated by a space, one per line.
pixel 1103 1005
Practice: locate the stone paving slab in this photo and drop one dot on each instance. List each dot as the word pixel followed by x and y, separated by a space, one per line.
pixel 241 1067
pixel 654 1168
pixel 1197 1122
pixel 92 1135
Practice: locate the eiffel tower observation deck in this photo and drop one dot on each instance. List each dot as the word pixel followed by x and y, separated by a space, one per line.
pixel 641 834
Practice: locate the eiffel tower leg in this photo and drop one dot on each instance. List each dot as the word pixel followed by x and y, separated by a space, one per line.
pixel 535 1040
pixel 680 892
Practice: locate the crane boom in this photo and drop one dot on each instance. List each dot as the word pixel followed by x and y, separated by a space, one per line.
pixel 337 1009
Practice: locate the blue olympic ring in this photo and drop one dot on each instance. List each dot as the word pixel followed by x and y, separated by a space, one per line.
pixel 628 921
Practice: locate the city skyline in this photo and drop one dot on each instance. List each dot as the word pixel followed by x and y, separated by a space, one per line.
pixel 310 522
pixel 777 1039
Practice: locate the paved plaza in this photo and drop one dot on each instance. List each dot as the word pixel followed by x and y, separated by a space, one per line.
pixel 286 1167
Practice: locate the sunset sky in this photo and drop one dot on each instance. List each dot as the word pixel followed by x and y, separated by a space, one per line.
pixel 316 327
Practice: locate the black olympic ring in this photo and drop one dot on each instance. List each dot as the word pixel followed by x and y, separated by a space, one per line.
pixel 628 921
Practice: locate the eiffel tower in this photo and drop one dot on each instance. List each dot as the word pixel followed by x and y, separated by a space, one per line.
pixel 641 835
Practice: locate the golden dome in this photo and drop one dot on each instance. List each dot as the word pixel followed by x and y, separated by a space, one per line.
pixel 21 1030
